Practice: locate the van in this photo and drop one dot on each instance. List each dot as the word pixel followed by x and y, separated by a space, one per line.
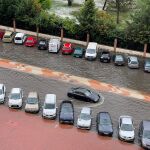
pixel 91 51
pixel 49 108
pixel 8 37
pixel 20 38
pixel 54 45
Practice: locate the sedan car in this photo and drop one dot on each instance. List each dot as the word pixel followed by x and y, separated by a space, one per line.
pixel 66 114
pixel 147 65
pixel 30 41
pixel 32 103
pixel 119 60
pixel 84 94
pixel 126 129
pixel 104 124
pixel 133 62
pixel 2 93
pixel 78 52
pixel 67 48
pixel 42 44
pixel 15 98
pixel 105 56
pixel 84 120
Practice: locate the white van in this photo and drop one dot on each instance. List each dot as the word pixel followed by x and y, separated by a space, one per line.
pixel 54 45
pixel 20 38
pixel 91 51
pixel 49 108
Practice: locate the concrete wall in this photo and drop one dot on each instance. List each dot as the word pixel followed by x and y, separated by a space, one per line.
pixel 110 48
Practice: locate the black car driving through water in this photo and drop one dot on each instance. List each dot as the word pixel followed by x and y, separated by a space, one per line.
pixel 84 94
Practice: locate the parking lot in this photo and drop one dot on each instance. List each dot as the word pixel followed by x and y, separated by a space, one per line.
pixel 119 76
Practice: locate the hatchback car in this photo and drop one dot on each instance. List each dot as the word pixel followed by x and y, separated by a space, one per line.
pixel 133 62
pixel 66 114
pixel 49 108
pixel 84 94
pixel 147 65
pixel 84 120
pixel 105 56
pixel 67 48
pixel 119 60
pixel 42 44
pixel 144 133
pixel 126 129
pixel 20 38
pixel 78 52
pixel 8 37
pixel 30 41
pixel 32 103
pixel 104 124
pixel 2 93
pixel 15 98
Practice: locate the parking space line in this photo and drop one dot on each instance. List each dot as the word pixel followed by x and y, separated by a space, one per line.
pixel 97 85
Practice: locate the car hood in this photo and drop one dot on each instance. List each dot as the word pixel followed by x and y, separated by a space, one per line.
pixel 105 128
pixel 82 122
pixel 49 111
pixel 127 133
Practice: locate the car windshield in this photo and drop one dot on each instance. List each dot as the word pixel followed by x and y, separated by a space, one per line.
pixel 85 116
pixel 32 100
pixel 49 106
pixel 17 38
pixel 134 62
pixel 127 127
pixel 105 122
pixel 147 64
pixel 66 109
pixel 87 93
pixel 78 51
pixel 42 42
pixel 1 91
pixel 119 58
pixel 29 41
pixel 146 134
pixel 6 36
pixel 15 96
pixel 91 51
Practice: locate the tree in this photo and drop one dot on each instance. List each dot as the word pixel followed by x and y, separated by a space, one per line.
pixel 104 6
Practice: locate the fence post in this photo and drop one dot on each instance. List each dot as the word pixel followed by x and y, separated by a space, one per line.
pixel 62 34
pixel 87 39
pixel 115 45
pixel 37 32
pixel 14 24
pixel 145 50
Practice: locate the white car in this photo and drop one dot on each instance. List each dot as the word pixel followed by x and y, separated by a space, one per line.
pixel 15 98
pixel 84 120
pixel 20 38
pixel 54 45
pixel 2 93
pixel 49 108
pixel 126 129
pixel 133 62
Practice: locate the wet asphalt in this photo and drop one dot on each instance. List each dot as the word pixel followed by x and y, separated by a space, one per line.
pixel 116 105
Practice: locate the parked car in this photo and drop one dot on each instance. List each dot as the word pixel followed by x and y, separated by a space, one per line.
pixel 105 56
pixel 67 48
pixel 32 103
pixel 144 134
pixel 126 128
pixel 49 108
pixel 133 62
pixel 78 52
pixel 119 60
pixel 54 45
pixel 1 35
pixel 15 98
pixel 84 94
pixel 2 93
pixel 20 38
pixel 147 65
pixel 66 114
pixel 104 124
pixel 42 44
pixel 8 37
pixel 91 51
pixel 30 41
pixel 85 120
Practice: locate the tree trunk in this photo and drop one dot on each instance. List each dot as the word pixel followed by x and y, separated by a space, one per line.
pixel 14 24
pixel 37 32
pixel 104 5
pixel 118 10
pixel 69 2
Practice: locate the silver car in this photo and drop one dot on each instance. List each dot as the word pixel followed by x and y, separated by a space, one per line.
pixel 133 62
pixel 126 129
pixel 147 65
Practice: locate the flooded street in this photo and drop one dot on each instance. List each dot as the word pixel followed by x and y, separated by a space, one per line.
pixel 116 105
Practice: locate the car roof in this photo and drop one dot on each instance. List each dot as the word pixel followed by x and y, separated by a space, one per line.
pixel 19 34
pixel 67 44
pixel 1 85
pixel 86 110
pixel 15 90
pixel 33 94
pixel 30 38
pixel 126 119
pixel 50 98
pixel 146 124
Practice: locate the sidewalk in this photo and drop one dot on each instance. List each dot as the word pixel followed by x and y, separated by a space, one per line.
pixel 110 48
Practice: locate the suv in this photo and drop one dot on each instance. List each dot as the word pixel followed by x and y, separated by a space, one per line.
pixel 15 98
pixel 105 56
pixel 104 124
pixel 144 133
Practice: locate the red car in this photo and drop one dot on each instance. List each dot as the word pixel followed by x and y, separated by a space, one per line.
pixel 30 41
pixel 1 35
pixel 67 48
